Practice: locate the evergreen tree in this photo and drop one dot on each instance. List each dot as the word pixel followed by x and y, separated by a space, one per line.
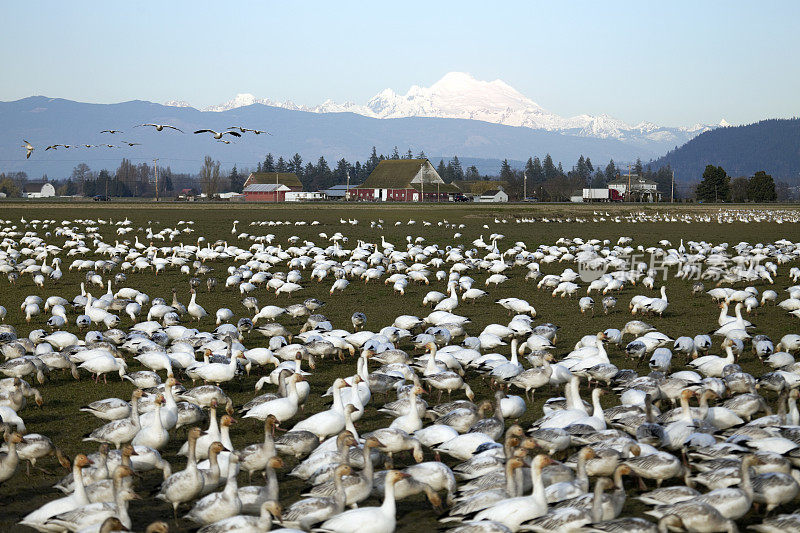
pixel 281 166
pixel 589 165
pixel 611 171
pixel 421 155
pixel 340 174
pixel 449 173
pixel 506 174
pixel 560 171
pixel 599 179
pixel 236 179
pixel 715 185
pixel 458 172
pixel 472 173
pixel 395 154
pixel 441 169
pixel 549 168
pixel 296 165
pixel 409 155
pixel 761 188
pixel 637 167
pixel 372 162
pixel 258 167
pixel 269 164
pixel 536 173
pixel 582 169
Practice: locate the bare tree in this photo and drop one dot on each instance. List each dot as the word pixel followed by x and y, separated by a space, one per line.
pixel 210 176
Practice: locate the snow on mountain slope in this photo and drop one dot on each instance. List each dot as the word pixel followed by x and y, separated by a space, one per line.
pixel 459 95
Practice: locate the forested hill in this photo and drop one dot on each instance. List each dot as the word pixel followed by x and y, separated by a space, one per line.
pixel 771 145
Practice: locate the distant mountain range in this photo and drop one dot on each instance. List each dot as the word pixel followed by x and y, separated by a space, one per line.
pixel 459 95
pixel 46 121
pixel 770 145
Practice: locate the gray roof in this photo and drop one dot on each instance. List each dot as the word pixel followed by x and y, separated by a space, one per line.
pixel 342 187
pixel 266 187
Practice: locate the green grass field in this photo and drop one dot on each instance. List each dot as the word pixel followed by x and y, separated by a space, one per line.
pixel 65 425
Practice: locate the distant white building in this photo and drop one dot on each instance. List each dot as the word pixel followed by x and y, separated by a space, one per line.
pixel 642 189
pixel 304 196
pixel 38 190
pixel 493 195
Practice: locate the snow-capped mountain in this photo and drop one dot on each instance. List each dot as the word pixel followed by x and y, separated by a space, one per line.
pixel 459 95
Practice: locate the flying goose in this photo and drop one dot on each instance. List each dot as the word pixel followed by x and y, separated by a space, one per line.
pixel 218 135
pixel 160 127
pixel 28 147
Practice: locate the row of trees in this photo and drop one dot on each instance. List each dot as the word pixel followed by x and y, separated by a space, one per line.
pixel 717 186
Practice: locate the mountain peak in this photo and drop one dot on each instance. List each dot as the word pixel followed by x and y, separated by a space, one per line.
pixel 461 95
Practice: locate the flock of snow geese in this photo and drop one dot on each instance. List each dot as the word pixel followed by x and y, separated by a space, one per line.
pixel 725 441
pixel 218 135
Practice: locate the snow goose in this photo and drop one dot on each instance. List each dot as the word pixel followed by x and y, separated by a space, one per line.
pixel 154 435
pixel 356 487
pixel 254 457
pixel 120 431
pixel 184 486
pixel 219 505
pixel 77 499
pixel 96 513
pixel 307 512
pixel 512 512
pixel 369 519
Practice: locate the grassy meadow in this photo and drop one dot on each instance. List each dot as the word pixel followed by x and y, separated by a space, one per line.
pixel 61 420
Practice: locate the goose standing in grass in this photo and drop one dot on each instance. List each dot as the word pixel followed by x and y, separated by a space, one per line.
pixel 219 505
pixel 184 486
pixel 120 431
pixel 381 519
pixel 77 499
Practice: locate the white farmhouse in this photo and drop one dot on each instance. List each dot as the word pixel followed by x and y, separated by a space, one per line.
pixel 493 195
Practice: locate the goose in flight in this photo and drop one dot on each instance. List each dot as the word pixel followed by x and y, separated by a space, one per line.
pixel 111 131
pixel 223 141
pixel 160 127
pixel 218 135
pixel 243 130
pixel 132 144
pixel 27 147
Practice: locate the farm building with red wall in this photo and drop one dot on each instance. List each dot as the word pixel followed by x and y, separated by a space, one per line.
pixel 405 180
pixel 270 186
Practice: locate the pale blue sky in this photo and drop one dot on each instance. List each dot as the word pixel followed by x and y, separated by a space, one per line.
pixel 673 63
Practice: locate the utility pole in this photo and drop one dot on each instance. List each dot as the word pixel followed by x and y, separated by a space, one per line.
pixel 155 167
pixel 347 189
pixel 524 186
pixel 629 183
pixel 672 190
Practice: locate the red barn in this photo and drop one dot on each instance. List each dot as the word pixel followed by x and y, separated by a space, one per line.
pixel 265 192
pixel 405 180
